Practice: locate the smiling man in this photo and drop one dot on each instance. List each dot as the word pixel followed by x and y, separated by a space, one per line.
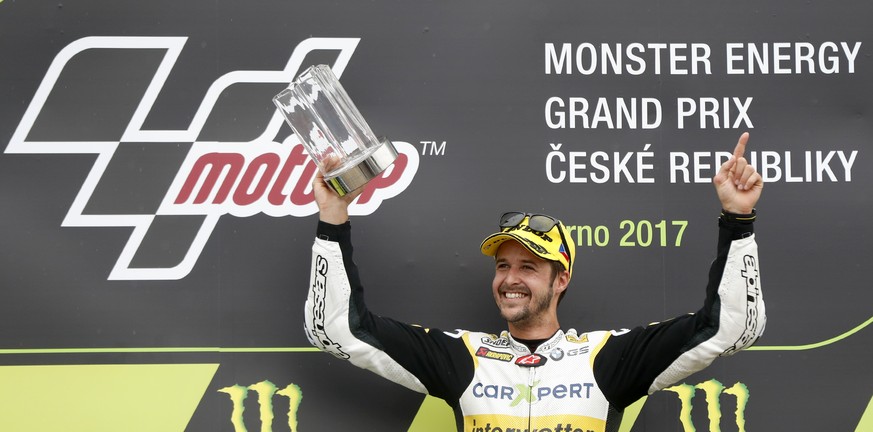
pixel 533 263
pixel 535 375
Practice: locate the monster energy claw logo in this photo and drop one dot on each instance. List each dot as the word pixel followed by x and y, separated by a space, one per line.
pixel 713 390
pixel 265 390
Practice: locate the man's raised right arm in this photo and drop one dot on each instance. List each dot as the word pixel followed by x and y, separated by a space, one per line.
pixel 337 319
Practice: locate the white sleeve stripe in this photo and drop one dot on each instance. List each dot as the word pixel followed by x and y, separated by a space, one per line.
pixel 741 319
pixel 326 318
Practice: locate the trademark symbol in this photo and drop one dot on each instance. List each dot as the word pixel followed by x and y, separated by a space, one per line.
pixel 433 148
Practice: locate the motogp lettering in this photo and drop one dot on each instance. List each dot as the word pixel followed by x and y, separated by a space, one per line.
pixel 272 178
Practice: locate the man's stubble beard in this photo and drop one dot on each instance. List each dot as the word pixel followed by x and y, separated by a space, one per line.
pixel 531 310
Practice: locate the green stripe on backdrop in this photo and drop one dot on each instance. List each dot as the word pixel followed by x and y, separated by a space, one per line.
pixel 827 342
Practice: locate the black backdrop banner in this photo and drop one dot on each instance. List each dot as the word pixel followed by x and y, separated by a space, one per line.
pixel 157 213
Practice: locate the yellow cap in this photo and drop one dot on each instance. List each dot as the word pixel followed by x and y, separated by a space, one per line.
pixel 554 245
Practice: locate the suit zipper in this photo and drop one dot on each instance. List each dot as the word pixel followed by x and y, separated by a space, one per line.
pixel 530 385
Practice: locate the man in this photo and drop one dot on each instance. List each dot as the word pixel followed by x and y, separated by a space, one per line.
pixel 536 376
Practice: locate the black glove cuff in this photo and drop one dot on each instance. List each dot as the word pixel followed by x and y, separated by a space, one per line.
pixel 729 217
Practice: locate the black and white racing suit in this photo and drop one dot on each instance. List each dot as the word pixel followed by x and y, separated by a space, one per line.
pixel 573 382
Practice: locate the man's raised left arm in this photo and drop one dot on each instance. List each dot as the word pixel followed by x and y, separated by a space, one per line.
pixel 647 359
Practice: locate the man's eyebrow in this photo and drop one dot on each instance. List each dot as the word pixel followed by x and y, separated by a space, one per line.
pixel 523 260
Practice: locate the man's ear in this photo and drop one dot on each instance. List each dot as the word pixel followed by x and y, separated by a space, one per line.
pixel 561 282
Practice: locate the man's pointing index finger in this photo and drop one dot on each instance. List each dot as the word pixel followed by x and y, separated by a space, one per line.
pixel 741 145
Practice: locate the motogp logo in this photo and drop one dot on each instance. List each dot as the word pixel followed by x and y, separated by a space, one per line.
pixel 171 187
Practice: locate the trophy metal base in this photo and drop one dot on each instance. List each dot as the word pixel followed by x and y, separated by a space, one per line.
pixel 363 170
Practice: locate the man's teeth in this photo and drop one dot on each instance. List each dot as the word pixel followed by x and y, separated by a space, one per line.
pixel 514 295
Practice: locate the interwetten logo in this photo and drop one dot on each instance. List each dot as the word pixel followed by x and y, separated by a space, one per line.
pixel 172 186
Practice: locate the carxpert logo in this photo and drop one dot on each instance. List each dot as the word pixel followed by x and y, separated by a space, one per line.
pixel 172 186
pixel 531 393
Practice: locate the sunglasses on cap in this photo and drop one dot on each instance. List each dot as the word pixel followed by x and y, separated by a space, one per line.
pixel 538 222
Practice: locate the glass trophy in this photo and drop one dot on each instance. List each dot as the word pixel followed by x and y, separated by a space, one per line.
pixel 328 124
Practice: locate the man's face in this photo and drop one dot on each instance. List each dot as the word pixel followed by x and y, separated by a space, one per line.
pixel 523 287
